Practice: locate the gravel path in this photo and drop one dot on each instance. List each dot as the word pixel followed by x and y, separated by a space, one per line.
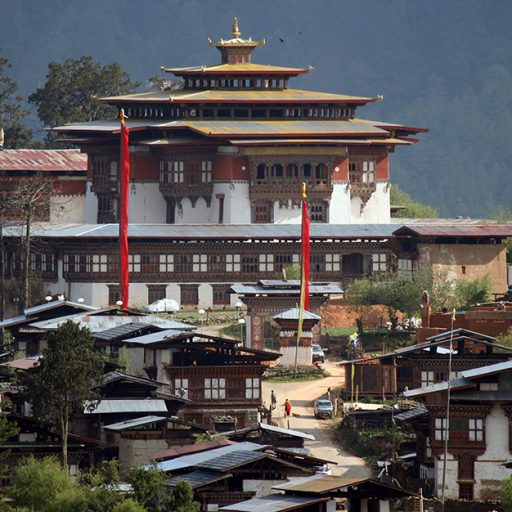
pixel 302 396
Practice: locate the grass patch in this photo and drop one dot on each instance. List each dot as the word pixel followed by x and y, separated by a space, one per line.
pixel 286 374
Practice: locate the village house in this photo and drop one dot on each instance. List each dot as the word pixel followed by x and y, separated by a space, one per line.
pixel 422 364
pixel 478 426
pixel 220 377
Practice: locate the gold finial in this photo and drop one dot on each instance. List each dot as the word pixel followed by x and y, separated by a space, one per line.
pixel 236 30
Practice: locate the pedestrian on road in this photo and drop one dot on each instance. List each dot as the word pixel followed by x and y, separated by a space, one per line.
pixel 273 400
pixel 287 408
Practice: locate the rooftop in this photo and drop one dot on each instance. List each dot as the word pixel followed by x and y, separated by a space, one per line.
pixel 43 160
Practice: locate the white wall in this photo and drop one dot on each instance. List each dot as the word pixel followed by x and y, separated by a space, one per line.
pixel 340 207
pixel 189 214
pixel 237 208
pixel 147 204
pixel 304 356
pixel 489 471
pixel 91 205
pixel 288 214
pixel 376 210
pixel 451 486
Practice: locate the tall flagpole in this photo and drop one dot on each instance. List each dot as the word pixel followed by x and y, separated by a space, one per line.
pixel 123 214
pixel 447 426
pixel 304 274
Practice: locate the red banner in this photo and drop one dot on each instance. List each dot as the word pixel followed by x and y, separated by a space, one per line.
pixel 123 212
pixel 304 299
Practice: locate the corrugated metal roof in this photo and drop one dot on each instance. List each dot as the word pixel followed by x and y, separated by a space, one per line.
pixel 180 451
pixel 57 303
pixel 117 375
pixel 281 128
pixel 287 431
pixel 491 369
pixel 113 126
pixel 321 142
pixel 197 479
pixel 455 384
pixel 411 414
pixel 156 337
pixel 230 461
pixel 43 160
pixel 98 323
pixel 430 230
pixel 137 422
pixel 274 503
pixel 112 406
pixel 121 330
pixel 22 364
pixel 14 320
pixel 295 313
pixel 447 335
pixel 269 232
pixel 314 289
pixel 237 96
pixel 198 458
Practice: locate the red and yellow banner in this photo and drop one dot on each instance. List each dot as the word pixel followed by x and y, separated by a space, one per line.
pixel 123 212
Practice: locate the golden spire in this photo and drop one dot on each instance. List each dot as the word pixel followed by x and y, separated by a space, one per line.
pixel 236 30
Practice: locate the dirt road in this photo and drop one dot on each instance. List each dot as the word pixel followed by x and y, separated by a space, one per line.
pixel 302 396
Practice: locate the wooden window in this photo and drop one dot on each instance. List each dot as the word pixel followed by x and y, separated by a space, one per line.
pixel 317 263
pixel 183 263
pixel 318 212
pixel 166 263
pixel 427 378
pixel 282 260
pixel 260 171
pixel 488 386
pixel 249 263
pixel 217 263
pixel 475 429
pixel 107 209
pixel 321 171
pixel 292 171
pixel 440 429
pixel 362 170
pixel 332 262
pixel 379 262
pixel 206 171
pixel 114 293
pixel 178 172
pixel 277 171
pixel 214 389
pixel 252 388
pixel 199 263
pixel 262 213
pixel 466 491
pixel 405 265
pixel 133 262
pixel 181 387
pixel 232 262
pixel 266 262
pixel 221 208
pixel 156 292
pixel 189 294
pixel 221 294
pixel 99 263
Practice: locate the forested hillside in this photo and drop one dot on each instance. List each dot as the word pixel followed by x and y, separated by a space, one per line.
pixel 443 65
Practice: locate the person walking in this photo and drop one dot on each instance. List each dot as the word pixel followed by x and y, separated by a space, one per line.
pixel 287 408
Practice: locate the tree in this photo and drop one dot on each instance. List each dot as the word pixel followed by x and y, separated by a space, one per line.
pixel 61 383
pixel 30 200
pixel 413 209
pixel 41 483
pixel 11 112
pixel 182 499
pixel 148 488
pixel 506 494
pixel 128 505
pixel 69 94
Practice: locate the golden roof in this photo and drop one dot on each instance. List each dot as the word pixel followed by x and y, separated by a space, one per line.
pixel 245 68
pixel 237 96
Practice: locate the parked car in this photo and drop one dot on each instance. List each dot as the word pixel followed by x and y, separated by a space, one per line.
pixel 323 408
pixel 162 306
pixel 318 355
pixel 323 469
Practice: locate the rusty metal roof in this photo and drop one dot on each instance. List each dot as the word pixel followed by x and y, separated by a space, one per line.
pixel 236 69
pixel 319 484
pixel 455 230
pixel 237 96
pixel 43 160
